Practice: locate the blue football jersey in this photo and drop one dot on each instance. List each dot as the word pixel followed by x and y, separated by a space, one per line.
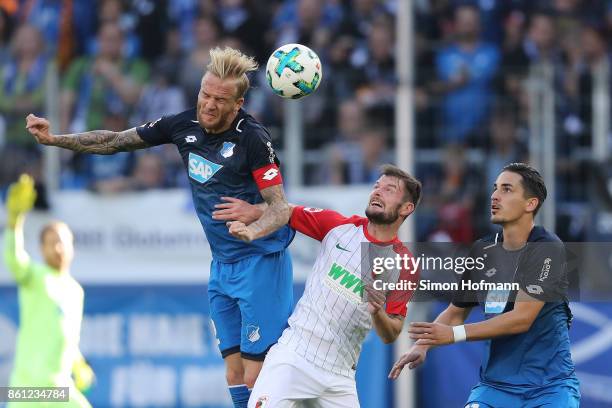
pixel 223 164
pixel 540 356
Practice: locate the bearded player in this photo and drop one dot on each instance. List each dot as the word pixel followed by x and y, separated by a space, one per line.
pixel 316 357
pixel 50 306
pixel 226 153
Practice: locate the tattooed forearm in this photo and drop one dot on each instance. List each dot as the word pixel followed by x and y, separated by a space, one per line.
pixel 275 215
pixel 101 141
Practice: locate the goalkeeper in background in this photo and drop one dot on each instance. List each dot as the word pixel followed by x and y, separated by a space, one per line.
pixel 50 305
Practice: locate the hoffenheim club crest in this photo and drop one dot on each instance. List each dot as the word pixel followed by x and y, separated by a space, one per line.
pixel 228 149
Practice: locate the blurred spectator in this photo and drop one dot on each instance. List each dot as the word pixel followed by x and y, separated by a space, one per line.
pixel 425 102
pixel 152 23
pixel 343 152
pixel 452 194
pixel 460 183
pixel 515 61
pixel 106 84
pixel 114 12
pixel 22 84
pixel 161 96
pixel 506 146
pixel 540 44
pixel 148 173
pixel 466 68
pixel 359 16
pixel 6 31
pixel 172 56
pixel 182 14
pixel 337 65
pixel 377 65
pixel 358 161
pixel 594 59
pixel 308 22
pixel 65 24
pixel 243 19
pixel 206 35
pixel 100 92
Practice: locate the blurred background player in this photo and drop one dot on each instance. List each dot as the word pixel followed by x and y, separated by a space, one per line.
pixel 316 357
pixel 528 361
pixel 50 305
pixel 226 153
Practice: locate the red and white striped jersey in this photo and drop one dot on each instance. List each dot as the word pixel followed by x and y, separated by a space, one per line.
pixel 331 320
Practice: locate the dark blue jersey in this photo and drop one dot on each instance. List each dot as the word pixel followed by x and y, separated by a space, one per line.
pixel 223 164
pixel 540 356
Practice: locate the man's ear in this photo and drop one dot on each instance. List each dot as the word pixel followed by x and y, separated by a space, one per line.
pixel 532 204
pixel 239 103
pixel 406 209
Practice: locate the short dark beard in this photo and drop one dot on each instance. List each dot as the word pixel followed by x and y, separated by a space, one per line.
pixel 383 218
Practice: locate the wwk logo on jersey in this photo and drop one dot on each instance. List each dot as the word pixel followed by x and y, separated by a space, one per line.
pixel 345 283
pixel 200 169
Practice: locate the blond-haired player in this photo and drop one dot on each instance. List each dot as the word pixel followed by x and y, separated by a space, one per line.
pixel 226 152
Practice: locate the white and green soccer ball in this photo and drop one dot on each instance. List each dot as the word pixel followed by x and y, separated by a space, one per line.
pixel 294 71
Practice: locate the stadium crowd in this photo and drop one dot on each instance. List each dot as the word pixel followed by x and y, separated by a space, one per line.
pixel 119 64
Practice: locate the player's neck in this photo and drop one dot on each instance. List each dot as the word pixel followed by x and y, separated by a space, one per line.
pixel 517 232
pixel 61 269
pixel 382 232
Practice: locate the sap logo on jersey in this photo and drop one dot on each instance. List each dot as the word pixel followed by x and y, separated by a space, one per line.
pixel 200 169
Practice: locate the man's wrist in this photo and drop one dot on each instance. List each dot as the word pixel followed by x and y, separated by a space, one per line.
pixel 13 218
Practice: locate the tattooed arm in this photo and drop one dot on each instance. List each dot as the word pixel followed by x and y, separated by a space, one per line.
pixel 274 216
pixel 95 141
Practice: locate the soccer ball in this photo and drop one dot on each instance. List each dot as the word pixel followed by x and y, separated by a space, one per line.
pixel 294 71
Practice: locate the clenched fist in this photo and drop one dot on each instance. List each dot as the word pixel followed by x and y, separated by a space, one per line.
pixel 241 231
pixel 39 128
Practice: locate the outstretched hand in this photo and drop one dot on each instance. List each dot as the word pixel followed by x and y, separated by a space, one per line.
pixel 431 334
pixel 413 358
pixel 39 128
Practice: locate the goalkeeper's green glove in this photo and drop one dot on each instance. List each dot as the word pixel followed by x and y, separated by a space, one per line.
pixel 20 199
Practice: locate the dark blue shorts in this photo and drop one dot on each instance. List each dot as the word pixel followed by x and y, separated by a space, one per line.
pixel 250 302
pixel 564 394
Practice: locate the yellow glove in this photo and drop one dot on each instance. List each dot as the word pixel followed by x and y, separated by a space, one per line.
pixel 21 197
pixel 83 375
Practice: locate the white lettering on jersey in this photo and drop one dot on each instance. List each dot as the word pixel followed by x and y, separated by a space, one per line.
pixel 200 169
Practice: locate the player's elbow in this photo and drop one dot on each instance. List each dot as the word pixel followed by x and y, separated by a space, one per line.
pixel 521 324
pixel 283 210
pixel 390 338
pixel 391 334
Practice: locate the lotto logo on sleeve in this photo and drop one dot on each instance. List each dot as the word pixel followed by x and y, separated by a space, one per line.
pixel 200 169
pixel 270 174
pixel 267 176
